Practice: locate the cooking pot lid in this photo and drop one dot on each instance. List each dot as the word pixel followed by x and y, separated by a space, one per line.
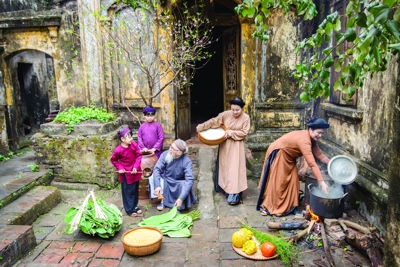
pixel 342 169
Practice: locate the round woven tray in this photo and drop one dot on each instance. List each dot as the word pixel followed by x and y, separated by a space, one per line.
pixel 212 142
pixel 145 249
pixel 256 256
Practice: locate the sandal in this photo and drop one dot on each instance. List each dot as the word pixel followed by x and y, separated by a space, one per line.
pixel 160 206
pixel 264 212
pixel 138 211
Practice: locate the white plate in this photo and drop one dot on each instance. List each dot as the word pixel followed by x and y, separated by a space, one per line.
pixel 342 169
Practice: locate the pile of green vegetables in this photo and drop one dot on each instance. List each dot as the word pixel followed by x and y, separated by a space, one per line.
pixel 172 223
pixel 94 217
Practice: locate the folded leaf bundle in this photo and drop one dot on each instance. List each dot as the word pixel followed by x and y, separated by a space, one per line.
pixel 172 223
pixel 89 222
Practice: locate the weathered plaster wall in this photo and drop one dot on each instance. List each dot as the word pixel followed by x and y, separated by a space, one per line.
pixel 51 32
pixel 17 5
pixel 276 107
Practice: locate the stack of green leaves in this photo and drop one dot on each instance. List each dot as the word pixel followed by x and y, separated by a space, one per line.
pixel 172 223
pixel 90 224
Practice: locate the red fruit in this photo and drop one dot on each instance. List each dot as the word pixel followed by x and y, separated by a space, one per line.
pixel 268 249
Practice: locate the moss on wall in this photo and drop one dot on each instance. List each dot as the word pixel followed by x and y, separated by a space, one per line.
pixel 78 159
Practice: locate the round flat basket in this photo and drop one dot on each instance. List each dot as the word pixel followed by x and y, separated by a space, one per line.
pixel 342 169
pixel 212 137
pixel 256 256
pixel 142 241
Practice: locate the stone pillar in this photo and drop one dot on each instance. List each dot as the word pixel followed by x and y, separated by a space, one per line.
pixel 91 47
pixel 168 96
pixel 248 58
pixel 392 238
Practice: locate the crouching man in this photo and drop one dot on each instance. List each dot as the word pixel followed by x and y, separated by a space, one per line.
pixel 176 169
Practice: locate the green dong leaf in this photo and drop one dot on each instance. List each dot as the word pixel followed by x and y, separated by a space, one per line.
pixel 380 12
pixel 350 34
pixel 328 62
pixel 393 27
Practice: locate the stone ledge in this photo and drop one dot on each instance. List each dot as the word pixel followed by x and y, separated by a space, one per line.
pixel 343 111
pixel 280 105
pixel 26 209
pixel 83 128
pixel 16 242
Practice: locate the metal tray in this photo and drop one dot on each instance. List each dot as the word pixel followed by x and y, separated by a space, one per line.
pixel 342 169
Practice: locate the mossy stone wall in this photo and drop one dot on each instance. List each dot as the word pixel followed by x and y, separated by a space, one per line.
pixel 81 158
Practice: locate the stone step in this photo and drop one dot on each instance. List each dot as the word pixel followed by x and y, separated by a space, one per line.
pixel 27 208
pixel 16 242
pixel 22 183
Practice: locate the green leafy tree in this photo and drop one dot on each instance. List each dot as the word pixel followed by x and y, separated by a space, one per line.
pixel 371 37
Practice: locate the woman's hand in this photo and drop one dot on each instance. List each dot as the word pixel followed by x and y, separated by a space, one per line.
pixel 198 128
pixel 144 150
pixel 178 202
pixel 134 171
pixel 228 134
pixel 324 187
pixel 121 171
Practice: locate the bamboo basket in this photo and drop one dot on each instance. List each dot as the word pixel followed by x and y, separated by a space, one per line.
pixel 212 142
pixel 145 249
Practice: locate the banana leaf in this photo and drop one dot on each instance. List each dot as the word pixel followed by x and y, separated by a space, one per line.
pixel 172 223
pixel 90 224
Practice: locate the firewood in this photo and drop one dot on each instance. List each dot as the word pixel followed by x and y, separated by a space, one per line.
pixel 344 227
pixel 326 245
pixel 287 225
pixel 293 239
pixel 356 226
pixel 368 244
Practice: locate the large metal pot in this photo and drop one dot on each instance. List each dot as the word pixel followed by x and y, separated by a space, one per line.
pixel 326 207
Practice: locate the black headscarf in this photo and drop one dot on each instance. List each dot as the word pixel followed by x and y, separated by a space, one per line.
pixel 237 101
pixel 317 123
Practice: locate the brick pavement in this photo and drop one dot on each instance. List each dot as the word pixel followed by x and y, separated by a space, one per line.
pixel 210 244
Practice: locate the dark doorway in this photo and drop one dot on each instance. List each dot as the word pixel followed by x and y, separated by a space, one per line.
pixel 206 93
pixel 33 80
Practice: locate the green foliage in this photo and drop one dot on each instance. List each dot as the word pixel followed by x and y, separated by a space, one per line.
pixel 371 37
pixel 4 158
pixel 75 115
pixel 89 224
pixel 259 10
pixel 369 40
pixel 34 167
pixel 172 223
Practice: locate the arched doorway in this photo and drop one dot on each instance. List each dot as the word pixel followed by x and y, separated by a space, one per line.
pixel 217 81
pixel 33 93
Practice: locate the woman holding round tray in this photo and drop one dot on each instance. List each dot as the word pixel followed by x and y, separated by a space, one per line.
pixel 231 161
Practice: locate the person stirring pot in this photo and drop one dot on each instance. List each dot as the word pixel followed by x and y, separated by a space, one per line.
pixel 279 182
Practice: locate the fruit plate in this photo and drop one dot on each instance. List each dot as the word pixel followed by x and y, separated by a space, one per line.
pixel 256 256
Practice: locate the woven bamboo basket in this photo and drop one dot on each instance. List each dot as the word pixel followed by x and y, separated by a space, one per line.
pixel 212 142
pixel 142 250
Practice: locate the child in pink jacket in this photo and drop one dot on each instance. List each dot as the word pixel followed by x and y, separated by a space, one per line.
pixel 126 158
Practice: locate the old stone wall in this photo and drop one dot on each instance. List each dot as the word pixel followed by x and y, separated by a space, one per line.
pixel 80 157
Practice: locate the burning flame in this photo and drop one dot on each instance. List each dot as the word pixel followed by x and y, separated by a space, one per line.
pixel 314 217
